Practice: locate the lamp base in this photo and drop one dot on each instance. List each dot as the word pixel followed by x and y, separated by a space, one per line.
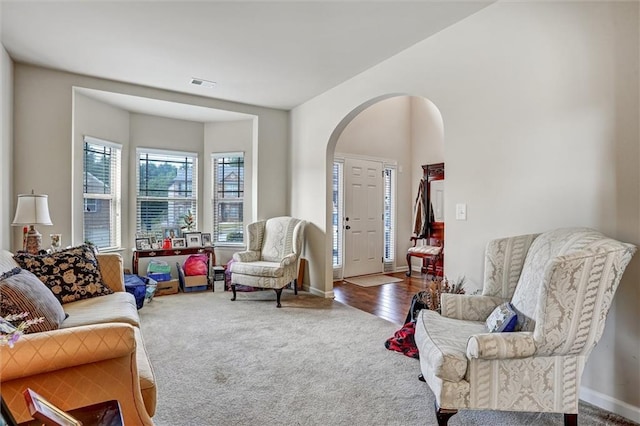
pixel 34 240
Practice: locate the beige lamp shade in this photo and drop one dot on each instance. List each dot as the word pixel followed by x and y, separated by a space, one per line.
pixel 32 209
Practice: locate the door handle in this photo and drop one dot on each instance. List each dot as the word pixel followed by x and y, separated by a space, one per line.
pixel 347 227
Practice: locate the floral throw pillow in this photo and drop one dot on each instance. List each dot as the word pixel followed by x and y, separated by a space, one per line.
pixel 71 274
pixel 503 319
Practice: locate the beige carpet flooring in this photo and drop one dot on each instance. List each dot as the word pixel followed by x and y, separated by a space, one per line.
pixel 312 362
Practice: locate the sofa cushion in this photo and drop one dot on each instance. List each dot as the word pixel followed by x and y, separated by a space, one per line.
pixel 145 373
pixel 21 291
pixel 442 343
pixel 117 307
pixel 260 268
pixel 71 274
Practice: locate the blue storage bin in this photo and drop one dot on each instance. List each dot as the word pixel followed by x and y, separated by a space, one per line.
pixel 137 286
pixel 159 276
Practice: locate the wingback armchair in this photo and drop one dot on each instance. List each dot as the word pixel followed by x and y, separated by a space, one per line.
pixel 561 284
pixel 271 261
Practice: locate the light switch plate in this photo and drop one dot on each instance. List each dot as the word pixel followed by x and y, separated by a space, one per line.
pixel 461 211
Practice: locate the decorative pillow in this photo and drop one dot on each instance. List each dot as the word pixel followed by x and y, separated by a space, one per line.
pixel 503 319
pixel 71 274
pixel 21 291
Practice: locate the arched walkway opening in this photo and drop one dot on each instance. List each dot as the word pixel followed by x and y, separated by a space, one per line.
pixel 396 134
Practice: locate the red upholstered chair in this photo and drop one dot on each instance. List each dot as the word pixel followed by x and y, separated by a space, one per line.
pixel 430 250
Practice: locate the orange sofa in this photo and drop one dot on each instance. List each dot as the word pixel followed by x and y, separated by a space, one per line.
pixel 96 355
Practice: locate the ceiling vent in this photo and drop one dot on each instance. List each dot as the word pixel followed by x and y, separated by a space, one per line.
pixel 203 83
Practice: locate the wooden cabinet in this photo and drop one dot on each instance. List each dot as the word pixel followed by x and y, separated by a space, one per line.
pixel 137 254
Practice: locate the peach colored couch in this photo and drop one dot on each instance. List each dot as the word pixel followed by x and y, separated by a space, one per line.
pixel 96 355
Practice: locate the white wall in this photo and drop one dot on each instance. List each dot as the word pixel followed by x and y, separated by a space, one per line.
pixel 103 121
pixel 231 136
pixel 43 139
pixel 540 109
pixel 7 202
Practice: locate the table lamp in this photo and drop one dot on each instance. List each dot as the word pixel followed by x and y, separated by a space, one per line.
pixel 32 209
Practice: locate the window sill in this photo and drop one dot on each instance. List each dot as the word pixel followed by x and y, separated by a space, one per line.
pixel 234 246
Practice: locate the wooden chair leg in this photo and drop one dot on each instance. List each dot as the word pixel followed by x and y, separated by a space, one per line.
pixel 443 415
pixel 233 289
pixel 295 286
pixel 278 294
pixel 409 265
pixel 570 420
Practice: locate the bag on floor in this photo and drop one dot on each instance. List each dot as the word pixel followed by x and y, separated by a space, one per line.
pixel 418 302
pixel 403 341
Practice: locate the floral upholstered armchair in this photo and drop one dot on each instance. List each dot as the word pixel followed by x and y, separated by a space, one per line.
pixel 555 290
pixel 271 261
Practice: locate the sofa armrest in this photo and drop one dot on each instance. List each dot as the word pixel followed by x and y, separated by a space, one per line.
pixel 289 259
pixel 501 345
pixel 76 367
pixel 112 271
pixel 38 353
pixel 467 306
pixel 246 256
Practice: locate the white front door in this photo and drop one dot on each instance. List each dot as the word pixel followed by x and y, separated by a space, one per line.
pixel 363 205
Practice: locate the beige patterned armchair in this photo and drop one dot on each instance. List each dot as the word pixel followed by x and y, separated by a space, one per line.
pixel 561 284
pixel 271 260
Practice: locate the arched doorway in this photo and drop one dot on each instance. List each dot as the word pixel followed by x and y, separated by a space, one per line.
pixel 401 133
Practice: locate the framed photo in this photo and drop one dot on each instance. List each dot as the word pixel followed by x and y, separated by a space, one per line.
pixel 194 239
pixel 206 239
pixel 143 244
pixel 178 243
pixel 46 412
pixel 171 232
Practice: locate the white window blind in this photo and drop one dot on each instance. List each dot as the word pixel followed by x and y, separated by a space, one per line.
pixel 166 189
pixel 389 220
pixel 101 188
pixel 336 219
pixel 228 197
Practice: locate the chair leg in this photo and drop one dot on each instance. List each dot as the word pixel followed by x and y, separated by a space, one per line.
pixel 443 415
pixel 570 420
pixel 295 286
pixel 278 294
pixel 409 265
pixel 233 289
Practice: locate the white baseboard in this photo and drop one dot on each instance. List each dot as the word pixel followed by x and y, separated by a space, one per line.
pixel 316 292
pixel 610 404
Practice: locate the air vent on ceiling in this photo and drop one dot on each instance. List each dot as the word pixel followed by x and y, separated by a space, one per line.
pixel 203 83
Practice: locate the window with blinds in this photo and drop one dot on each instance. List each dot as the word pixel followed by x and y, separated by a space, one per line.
pixel 166 189
pixel 228 197
pixel 101 189
pixel 389 220
pixel 336 218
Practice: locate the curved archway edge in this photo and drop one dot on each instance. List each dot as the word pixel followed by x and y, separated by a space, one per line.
pixel 330 153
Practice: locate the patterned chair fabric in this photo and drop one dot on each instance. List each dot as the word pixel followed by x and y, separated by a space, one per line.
pixel 271 261
pixel 561 283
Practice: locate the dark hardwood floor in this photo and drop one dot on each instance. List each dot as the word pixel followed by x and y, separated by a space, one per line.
pixel 389 301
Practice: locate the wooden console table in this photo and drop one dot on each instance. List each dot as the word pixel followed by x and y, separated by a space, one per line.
pixel 137 254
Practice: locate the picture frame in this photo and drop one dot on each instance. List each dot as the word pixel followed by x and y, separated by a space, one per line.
pixel 171 232
pixel 143 244
pixel 206 239
pixel 193 239
pixel 46 412
pixel 178 243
